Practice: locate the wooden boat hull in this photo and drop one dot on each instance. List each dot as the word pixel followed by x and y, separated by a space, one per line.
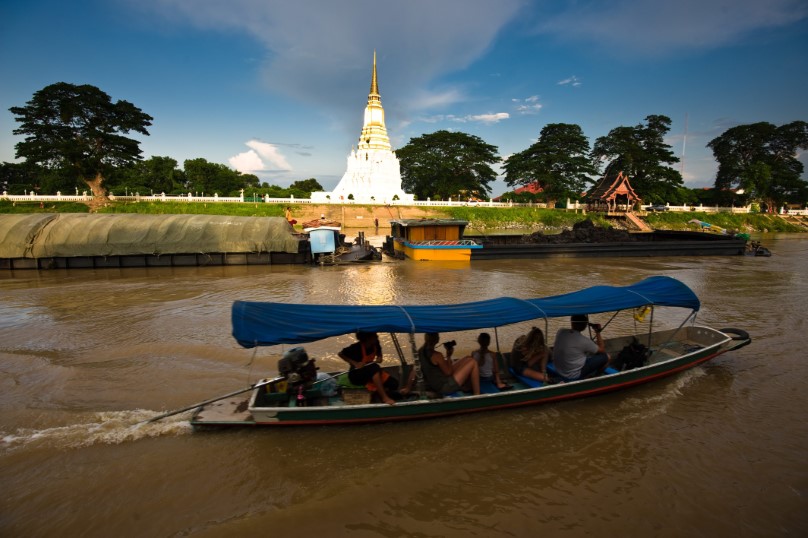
pixel 706 343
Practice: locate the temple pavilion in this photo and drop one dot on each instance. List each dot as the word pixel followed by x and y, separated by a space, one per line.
pixel 612 195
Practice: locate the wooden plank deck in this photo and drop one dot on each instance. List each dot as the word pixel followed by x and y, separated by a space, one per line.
pixel 231 410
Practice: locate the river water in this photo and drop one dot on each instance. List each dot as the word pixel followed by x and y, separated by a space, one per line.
pixel 85 355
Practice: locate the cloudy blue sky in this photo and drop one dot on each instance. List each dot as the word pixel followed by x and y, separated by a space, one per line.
pixel 278 88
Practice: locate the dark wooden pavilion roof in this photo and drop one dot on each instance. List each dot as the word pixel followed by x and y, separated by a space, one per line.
pixel 609 188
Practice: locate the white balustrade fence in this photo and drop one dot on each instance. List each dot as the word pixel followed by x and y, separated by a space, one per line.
pixel 190 197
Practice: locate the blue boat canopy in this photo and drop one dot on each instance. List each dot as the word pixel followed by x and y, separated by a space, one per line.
pixel 269 324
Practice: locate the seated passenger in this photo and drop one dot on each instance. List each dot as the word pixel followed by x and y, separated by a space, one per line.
pixel 441 374
pixel 574 355
pixel 529 355
pixel 487 361
pixel 364 357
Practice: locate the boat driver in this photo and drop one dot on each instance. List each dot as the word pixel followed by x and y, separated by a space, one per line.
pixel 574 355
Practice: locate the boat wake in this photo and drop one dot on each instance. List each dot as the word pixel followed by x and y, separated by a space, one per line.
pixel 655 404
pixel 104 428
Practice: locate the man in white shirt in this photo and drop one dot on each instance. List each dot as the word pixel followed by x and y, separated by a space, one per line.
pixel 574 355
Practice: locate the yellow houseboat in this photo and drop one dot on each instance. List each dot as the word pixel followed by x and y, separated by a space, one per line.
pixel 432 239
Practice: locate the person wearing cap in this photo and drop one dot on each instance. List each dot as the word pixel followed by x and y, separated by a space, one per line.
pixel 574 355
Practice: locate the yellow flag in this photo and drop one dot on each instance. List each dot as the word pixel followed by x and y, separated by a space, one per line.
pixel 639 313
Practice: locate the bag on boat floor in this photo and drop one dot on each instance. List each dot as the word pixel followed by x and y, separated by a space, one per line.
pixel 634 355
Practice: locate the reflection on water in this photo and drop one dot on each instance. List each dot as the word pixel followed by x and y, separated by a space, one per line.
pixel 86 356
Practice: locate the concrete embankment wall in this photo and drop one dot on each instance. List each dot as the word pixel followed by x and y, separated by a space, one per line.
pixel 360 216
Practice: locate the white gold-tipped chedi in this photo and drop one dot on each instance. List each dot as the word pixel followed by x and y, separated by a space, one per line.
pixel 373 173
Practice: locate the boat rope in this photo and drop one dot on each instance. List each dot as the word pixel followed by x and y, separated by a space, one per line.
pixel 412 323
pixel 543 313
pixel 650 302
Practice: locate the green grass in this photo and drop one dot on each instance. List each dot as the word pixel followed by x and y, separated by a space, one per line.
pixel 246 209
pixel 520 217
pixel 478 217
pixel 742 222
pixel 50 207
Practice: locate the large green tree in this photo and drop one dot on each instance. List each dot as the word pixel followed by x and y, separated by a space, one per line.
pixel 212 178
pixel 78 128
pixel 306 186
pixel 443 164
pixel 161 175
pixel 761 159
pixel 641 153
pixel 20 178
pixel 151 176
pixel 558 162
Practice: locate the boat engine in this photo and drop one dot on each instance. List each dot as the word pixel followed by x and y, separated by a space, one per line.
pixel 298 369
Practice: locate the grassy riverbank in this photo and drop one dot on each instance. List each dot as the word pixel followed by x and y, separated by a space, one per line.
pixel 524 217
pixel 359 216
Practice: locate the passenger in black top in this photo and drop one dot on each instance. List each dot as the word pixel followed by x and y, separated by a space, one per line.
pixel 364 357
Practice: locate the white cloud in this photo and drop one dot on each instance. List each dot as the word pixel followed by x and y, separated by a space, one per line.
pixel 529 105
pixel 425 99
pixel 261 156
pixel 489 118
pixel 662 26
pixel 320 51
pixel 528 109
pixel 246 162
pixel 572 81
pixel 271 153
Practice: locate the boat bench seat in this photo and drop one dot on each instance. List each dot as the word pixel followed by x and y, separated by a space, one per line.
pixel 488 387
pixel 552 371
pixel 530 382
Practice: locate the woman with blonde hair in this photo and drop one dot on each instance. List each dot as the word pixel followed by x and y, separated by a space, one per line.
pixel 530 354
pixel 441 374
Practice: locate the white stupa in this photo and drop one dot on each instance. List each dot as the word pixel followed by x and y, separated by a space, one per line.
pixel 373 173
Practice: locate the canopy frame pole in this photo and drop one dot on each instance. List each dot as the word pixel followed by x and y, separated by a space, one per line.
pixel 673 335
pixel 611 319
pixel 419 375
pixel 498 354
pixel 603 328
pixel 401 358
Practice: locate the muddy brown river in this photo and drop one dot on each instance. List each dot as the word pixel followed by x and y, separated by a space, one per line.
pixel 85 355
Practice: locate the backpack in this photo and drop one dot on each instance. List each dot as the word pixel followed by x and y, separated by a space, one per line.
pixel 634 355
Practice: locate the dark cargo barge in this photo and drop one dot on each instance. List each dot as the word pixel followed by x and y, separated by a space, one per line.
pixel 657 243
pixel 84 241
